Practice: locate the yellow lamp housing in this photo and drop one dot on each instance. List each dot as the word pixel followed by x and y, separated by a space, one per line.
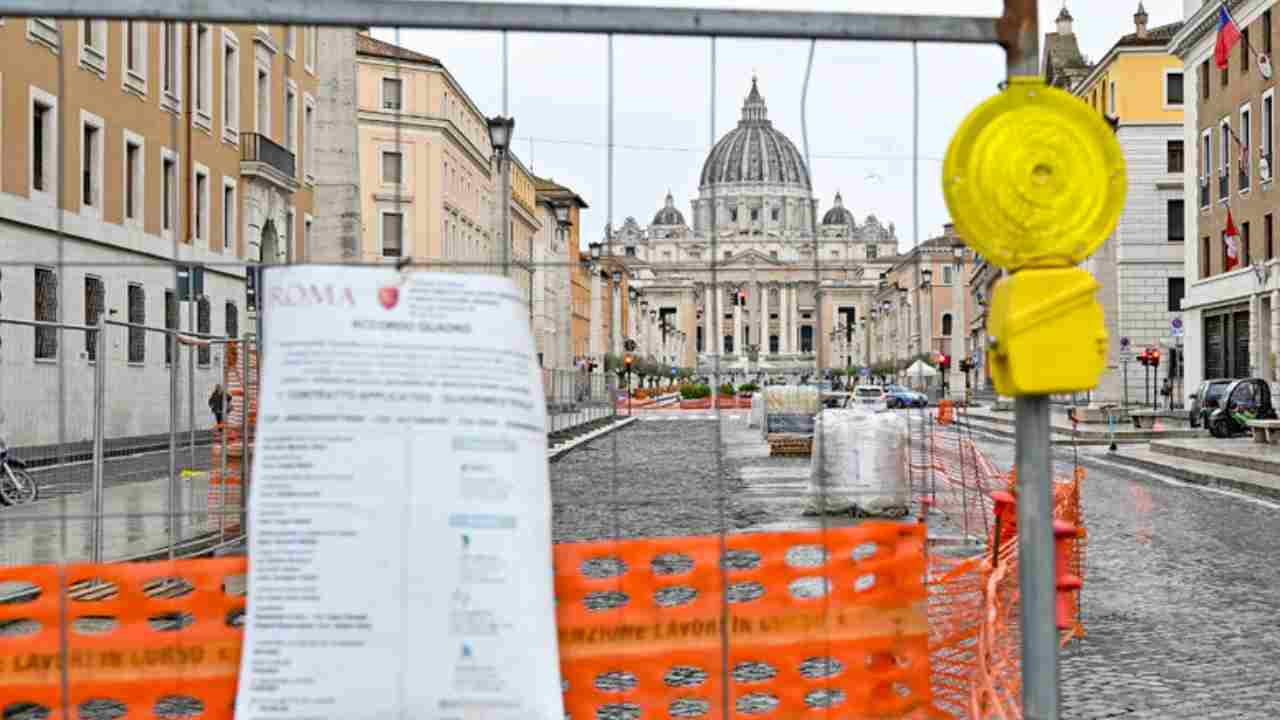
pixel 1046 333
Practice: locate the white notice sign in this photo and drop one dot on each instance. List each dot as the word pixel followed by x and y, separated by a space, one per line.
pixel 400 543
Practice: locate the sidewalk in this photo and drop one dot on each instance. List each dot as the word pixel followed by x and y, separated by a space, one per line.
pixel 1239 464
pixel 1003 424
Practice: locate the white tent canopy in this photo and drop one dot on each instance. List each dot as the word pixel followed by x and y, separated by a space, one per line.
pixel 921 369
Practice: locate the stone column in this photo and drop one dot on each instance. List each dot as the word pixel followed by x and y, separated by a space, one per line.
pixel 708 319
pixel 737 330
pixel 784 318
pixel 595 331
pixel 1275 337
pixel 615 290
pixel 764 319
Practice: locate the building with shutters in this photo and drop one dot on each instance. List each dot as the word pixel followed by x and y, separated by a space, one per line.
pixel 1231 316
pixel 129 147
pixel 1137 86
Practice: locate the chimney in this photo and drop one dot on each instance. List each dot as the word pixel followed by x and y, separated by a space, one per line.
pixel 1140 21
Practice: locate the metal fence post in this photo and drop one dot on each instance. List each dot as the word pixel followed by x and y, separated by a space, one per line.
pixel 222 461
pixel 170 503
pixel 99 431
pixel 1036 560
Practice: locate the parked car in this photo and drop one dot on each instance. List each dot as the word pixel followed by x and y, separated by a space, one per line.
pixel 898 396
pixel 868 395
pixel 1205 400
pixel 1243 400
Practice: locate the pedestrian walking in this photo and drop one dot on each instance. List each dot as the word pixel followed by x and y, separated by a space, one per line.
pixel 219 403
pixel 1166 391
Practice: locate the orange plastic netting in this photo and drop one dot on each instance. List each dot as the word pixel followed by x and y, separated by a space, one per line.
pixel 865 621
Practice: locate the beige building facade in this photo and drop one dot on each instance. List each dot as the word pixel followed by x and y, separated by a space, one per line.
pixel 127 147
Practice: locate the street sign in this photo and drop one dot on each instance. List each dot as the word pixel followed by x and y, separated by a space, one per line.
pixel 1124 343
pixel 673 372
pixel 1175 327
pixel 865 372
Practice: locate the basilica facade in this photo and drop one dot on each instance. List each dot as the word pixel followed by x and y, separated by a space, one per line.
pixel 761 283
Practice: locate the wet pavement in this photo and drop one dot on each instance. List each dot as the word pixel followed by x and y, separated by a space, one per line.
pixel 1180 601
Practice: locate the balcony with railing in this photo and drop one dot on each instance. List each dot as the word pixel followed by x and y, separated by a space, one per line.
pixel 262 157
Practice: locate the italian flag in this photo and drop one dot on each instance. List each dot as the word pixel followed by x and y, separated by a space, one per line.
pixel 1232 238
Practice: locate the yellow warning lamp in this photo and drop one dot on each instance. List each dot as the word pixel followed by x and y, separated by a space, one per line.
pixel 1035 182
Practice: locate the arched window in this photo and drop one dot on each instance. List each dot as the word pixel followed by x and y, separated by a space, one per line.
pixel 946 325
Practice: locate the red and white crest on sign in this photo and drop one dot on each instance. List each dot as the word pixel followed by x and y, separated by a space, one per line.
pixel 389 296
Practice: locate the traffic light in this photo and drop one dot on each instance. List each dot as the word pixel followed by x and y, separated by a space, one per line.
pixel 1155 358
pixel 945 361
pixel 627 360
pixel 1142 358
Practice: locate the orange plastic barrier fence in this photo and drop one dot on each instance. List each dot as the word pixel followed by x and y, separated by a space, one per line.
pixel 815 620
pixel 143 640
pixel 232 432
pixel 946 412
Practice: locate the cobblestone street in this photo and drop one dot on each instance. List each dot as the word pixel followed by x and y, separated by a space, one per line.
pixel 1179 601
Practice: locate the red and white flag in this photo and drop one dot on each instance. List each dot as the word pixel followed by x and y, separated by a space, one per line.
pixel 1228 36
pixel 1232 238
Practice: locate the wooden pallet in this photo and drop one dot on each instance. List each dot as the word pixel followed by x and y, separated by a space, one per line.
pixel 790 446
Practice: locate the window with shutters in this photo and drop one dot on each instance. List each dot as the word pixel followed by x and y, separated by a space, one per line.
pixel 232 321
pixel 170 323
pixel 95 300
pixel 392 234
pixel 1173 88
pixel 1175 211
pixel 392 170
pixel 203 326
pixel 46 310
pixel 137 307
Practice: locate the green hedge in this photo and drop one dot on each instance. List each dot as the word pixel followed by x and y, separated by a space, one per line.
pixel 694 391
pixel 748 388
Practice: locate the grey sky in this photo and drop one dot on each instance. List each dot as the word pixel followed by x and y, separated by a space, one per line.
pixel 859 108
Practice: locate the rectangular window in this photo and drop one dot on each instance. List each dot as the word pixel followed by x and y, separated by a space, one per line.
pixel 168 192
pixel 1204 80
pixel 46 310
pixel 1173 88
pixel 91 166
pixel 291 120
pixel 230 88
pixel 1267 237
pixel 1224 173
pixel 263 101
pixel 1265 138
pixel 947 274
pixel 1177 290
pixel 391 88
pixel 1111 109
pixel 170 323
pixel 169 59
pixel 872 252
pixel 200 206
pixel 1246 147
pixel 133 47
pixel 94 301
pixel 1205 256
pixel 1226 77
pixel 392 230
pixel 231 320
pixel 137 306
pixel 773 254
pixel 1174 156
pixel 391 168
pixel 1176 220
pixel 291 41
pixel 1244 244
pixel 41 136
pixel 202 69
pixel 93 46
pixel 1244 49
pixel 204 326
pixel 132 180
pixel 311 41
pixel 1266 31
pixel 228 214
pixel 308 138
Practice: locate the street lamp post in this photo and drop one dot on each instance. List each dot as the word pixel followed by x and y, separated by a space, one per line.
pixel 500 131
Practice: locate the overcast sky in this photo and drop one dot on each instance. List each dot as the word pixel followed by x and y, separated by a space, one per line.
pixel 859 106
